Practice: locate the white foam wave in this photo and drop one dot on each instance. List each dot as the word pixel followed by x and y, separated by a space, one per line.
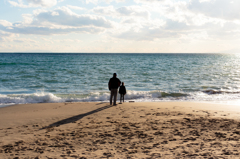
pixel 131 95
pixel 91 97
pixel 104 96
pixel 29 98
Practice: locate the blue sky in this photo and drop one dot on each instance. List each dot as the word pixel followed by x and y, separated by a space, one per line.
pixel 124 26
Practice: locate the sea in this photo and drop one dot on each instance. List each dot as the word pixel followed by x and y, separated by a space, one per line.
pixel 83 77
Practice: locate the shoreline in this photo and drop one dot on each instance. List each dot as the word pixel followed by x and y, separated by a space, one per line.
pixel 224 102
pixel 132 129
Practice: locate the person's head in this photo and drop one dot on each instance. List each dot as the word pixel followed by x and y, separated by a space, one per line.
pixel 123 83
pixel 114 75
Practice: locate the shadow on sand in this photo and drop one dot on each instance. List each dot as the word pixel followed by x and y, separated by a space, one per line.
pixel 76 117
pixel 102 103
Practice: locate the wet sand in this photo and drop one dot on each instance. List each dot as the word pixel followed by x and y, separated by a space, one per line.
pixel 128 130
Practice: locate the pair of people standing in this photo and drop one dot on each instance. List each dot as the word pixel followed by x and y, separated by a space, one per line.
pixel 113 85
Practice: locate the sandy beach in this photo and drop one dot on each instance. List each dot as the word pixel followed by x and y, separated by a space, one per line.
pixel 128 130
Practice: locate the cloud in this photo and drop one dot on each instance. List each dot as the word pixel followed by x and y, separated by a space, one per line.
pixel 106 1
pixel 146 34
pixel 64 16
pixel 24 40
pixel 58 21
pixel 229 31
pixel 224 9
pixel 110 10
pixel 133 11
pixel 42 3
pixel 177 26
pixel 147 20
pixel 51 31
pixel 125 11
pixel 33 3
pixel 75 7
pixel 5 23
pixel 5 36
pixel 202 35
pixel 91 1
pixel 151 30
pixel 68 40
pixel 149 1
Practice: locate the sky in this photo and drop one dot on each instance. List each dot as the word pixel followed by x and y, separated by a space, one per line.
pixel 120 26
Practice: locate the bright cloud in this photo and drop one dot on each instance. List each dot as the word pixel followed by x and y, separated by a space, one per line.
pixel 123 11
pixel 100 1
pixel 75 7
pixel 149 1
pixel 6 36
pixel 58 21
pixel 64 16
pixel 33 3
pixel 103 23
pixel 225 9
pixel 5 23
pixel 43 3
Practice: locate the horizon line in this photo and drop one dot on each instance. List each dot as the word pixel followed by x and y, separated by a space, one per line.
pixel 122 52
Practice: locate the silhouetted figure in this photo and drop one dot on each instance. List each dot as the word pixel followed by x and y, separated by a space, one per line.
pixel 113 85
pixel 122 92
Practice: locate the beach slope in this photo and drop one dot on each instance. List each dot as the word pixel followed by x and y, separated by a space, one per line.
pixel 128 130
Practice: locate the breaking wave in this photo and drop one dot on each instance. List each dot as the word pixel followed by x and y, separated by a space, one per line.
pixel 219 92
pixel 141 96
pixel 91 97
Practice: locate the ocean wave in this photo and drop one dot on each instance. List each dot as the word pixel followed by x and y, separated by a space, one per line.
pixel 91 97
pixel 219 92
pixel 212 92
pixel 140 96
pixel 29 98
pixel 15 63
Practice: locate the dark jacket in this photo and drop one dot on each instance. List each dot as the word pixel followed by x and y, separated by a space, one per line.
pixel 114 83
pixel 122 90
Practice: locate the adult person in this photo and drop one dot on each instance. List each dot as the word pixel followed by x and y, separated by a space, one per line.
pixel 113 85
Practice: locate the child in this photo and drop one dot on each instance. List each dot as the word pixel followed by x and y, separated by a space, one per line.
pixel 122 92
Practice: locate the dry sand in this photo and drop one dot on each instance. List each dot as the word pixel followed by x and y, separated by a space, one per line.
pixel 128 130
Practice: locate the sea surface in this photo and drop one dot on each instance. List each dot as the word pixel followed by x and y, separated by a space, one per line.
pixel 68 77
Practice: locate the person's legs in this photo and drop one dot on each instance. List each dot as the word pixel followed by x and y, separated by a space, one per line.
pixel 111 96
pixel 123 97
pixel 115 96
